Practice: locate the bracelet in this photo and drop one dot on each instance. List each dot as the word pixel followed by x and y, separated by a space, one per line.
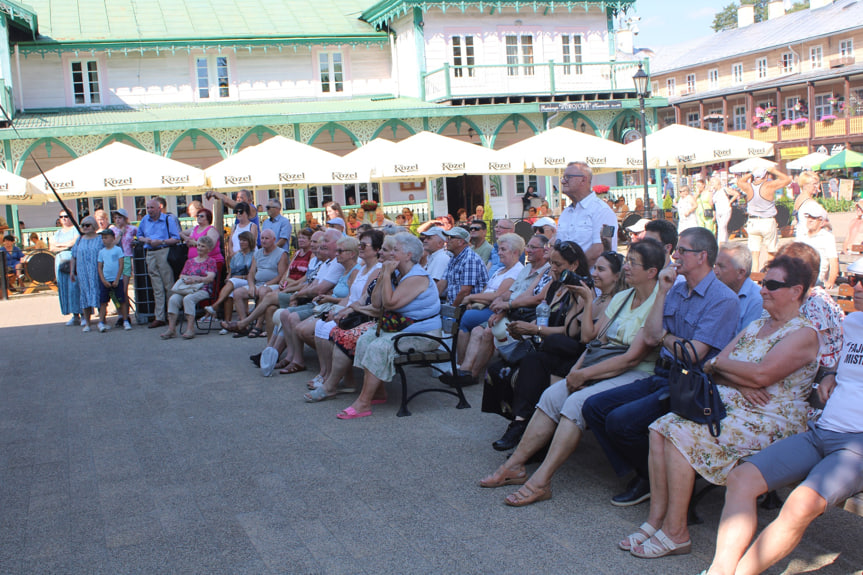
pixel 539 330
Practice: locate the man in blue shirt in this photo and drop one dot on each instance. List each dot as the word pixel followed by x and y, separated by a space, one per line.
pixel 733 265
pixel 278 223
pixel 13 259
pixel 158 232
pixel 465 273
pixel 701 309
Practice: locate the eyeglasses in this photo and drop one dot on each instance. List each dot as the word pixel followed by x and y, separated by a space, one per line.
pixel 682 251
pixel 632 263
pixel 773 285
pixel 854 280
pixel 567 177
pixel 476 229
pixel 530 247
pixel 64 216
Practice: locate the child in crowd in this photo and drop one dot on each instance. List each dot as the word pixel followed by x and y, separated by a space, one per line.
pixel 110 276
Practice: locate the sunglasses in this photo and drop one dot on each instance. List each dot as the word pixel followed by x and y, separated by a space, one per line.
pixel 477 229
pixel 854 280
pixel 86 225
pixel 567 177
pixel 773 285
pixel 682 251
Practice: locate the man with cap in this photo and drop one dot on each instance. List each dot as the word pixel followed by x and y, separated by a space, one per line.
pixel 437 257
pixel 636 230
pixel 158 232
pixel 478 243
pixel 817 236
pixel 465 273
pixel 546 227
pixel 337 224
pixel 761 228
pixel 828 458
pixel 280 225
pixel 582 221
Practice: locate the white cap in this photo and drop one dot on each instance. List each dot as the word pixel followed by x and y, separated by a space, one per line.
pixel 544 222
pixel 434 231
pixel 638 226
pixel 813 209
pixel 759 173
pixel 856 268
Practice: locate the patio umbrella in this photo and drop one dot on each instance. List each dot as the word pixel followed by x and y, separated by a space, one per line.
pixel 363 161
pixel 429 155
pixel 547 153
pixel 274 162
pixel 842 161
pixel 684 146
pixel 806 162
pixel 751 165
pixel 123 170
pixel 19 191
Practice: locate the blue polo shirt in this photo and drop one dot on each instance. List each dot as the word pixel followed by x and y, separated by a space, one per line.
pixel 709 314
pixel 750 303
pixel 162 229
pixel 281 226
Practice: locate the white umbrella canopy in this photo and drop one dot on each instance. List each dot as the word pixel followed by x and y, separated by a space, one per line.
pixel 806 162
pixel 751 165
pixel 678 145
pixel 20 191
pixel 429 155
pixel 120 168
pixel 276 161
pixel 547 153
pixel 363 161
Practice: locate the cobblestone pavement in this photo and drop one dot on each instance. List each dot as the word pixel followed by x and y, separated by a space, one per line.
pixel 122 453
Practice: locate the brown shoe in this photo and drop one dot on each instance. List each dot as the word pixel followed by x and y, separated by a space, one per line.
pixel 156 323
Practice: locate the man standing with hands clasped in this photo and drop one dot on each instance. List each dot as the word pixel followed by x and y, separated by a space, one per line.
pixel 158 232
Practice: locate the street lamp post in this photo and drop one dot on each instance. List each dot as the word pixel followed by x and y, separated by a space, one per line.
pixel 642 81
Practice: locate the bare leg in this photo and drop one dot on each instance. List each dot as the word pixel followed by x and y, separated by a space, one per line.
pixel 463 341
pixel 563 444
pixel 172 325
pixel 739 518
pixel 658 480
pixel 469 353
pixel 781 537
pixel 241 303
pixel 325 355
pixel 540 430
pixel 86 314
pixel 224 295
pixel 190 327
pixel 341 365
pixel 372 387
pixel 484 351
pixel 269 299
pixel 293 339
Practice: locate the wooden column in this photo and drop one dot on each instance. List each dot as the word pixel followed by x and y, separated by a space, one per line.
pixel 778 115
pixel 750 110
pixel 701 114
pixel 810 102
pixel 725 114
pixel 847 107
pixel 676 113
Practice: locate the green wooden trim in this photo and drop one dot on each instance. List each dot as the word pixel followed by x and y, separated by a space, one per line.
pixel 121 138
pixel 20 16
pixel 420 47
pixel 612 37
pixel 394 125
pixel 578 115
pixel 157 142
pixel 195 133
pixel 386 11
pixel 36 144
pixel 7 152
pixel 458 120
pixel 331 127
pixel 134 45
pixel 255 131
pixel 515 119
pixel 297 132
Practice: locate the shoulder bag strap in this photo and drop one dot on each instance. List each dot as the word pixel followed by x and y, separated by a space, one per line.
pixel 616 313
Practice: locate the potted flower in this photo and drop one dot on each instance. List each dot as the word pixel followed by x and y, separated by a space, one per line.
pixel 786 122
pixel 763 118
pixel 828 118
pixel 600 189
pixel 369 206
pixel 801 121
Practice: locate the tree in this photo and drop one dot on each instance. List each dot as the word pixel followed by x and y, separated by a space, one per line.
pixel 726 19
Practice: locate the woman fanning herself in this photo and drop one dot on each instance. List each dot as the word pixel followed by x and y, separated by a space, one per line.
pixel 557 418
pixel 411 307
pixel 764 377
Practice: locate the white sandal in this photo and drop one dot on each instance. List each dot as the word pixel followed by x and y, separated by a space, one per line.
pixel 638 537
pixel 666 546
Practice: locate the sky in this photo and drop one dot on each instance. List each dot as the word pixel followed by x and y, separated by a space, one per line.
pixel 665 22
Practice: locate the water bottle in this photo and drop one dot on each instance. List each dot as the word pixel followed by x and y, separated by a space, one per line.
pixel 542 312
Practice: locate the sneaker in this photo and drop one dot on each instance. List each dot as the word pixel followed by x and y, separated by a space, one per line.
pixel 126 325
pixel 103 328
pixel 511 436
pixel 72 321
pixel 209 309
pixel 84 323
pixel 86 329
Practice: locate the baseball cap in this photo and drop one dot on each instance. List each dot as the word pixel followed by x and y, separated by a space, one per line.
pixel 337 222
pixel 434 231
pixel 122 212
pixel 856 268
pixel 759 173
pixel 813 209
pixel 107 232
pixel 638 226
pixel 544 222
pixel 457 232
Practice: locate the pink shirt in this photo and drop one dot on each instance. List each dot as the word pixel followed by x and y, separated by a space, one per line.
pixel 215 255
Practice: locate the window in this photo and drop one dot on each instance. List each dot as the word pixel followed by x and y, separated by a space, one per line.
pixel 790 112
pixel 519 50
pixel 212 77
pixel 690 83
pixel 717 120
pixel 740 118
pixel 332 72
pixel 713 78
pixel 88 206
pixel 816 57
pixel 85 82
pixel 693 120
pixel 761 69
pixel 462 55
pixel 319 195
pixel 522 183
pixel 356 194
pixel 787 63
pixel 571 53
pixel 823 106
pixel 737 73
pixel 846 47
pixel 670 88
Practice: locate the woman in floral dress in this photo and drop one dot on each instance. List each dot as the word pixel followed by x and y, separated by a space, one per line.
pixel 764 378
pixel 84 268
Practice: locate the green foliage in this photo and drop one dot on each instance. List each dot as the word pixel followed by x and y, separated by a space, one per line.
pixel 832 206
pixel 726 19
pixel 798 6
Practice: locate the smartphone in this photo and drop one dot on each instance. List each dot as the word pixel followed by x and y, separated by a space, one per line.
pixel 607 232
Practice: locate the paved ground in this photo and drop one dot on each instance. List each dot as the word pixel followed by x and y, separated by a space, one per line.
pixel 122 453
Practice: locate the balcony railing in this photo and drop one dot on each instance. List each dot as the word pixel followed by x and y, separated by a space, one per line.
pixel 823 129
pixel 539 79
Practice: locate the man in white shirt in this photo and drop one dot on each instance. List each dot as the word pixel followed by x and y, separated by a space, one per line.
pixel 817 236
pixel 582 221
pixel 437 258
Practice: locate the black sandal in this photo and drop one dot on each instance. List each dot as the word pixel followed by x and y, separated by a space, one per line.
pixel 255 332
pixel 241 333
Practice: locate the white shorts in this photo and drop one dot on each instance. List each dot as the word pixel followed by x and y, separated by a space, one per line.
pixel 762 231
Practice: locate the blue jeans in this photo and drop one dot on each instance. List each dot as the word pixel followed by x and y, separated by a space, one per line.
pixel 620 417
pixel 474 317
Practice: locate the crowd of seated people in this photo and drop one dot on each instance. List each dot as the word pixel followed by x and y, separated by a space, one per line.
pixel 347 298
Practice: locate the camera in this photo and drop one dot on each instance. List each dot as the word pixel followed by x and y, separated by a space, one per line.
pixel 573 279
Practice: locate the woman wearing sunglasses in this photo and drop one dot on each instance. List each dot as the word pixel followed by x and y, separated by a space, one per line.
pixel 242 223
pixel 764 377
pixel 67 290
pixel 84 268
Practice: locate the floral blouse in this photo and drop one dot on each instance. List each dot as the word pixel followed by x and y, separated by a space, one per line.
pixel 195 268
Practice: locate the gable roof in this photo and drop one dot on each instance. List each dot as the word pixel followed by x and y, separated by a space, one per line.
pixel 159 20
pixel 842 15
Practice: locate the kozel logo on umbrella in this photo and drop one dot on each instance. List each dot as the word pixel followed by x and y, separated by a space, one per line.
pixel 342 176
pixel 172 180
pixel 757 151
pixel 289 177
pixel 722 153
pixel 118 182
pixel 452 166
pixel 238 179
pixel 499 165
pixel 549 161
pixel 594 161
pixel 406 168
pixel 60 185
pixel 634 161
pixel 687 158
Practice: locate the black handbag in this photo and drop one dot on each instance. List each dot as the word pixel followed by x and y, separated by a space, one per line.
pixel 177 253
pixel 516 351
pixel 353 319
pixel 694 395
